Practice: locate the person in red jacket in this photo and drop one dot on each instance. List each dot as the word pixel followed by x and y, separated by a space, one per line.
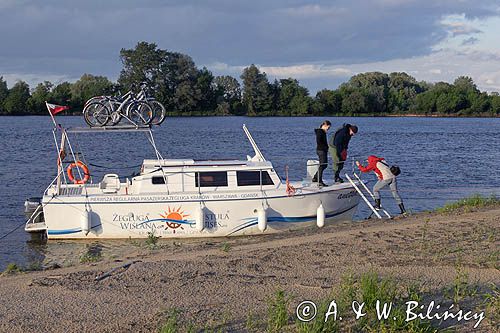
pixel 385 178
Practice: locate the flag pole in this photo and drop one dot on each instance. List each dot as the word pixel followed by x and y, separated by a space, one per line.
pixel 51 115
pixel 60 152
pixel 59 160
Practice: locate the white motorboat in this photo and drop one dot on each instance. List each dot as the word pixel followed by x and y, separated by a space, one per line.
pixel 183 198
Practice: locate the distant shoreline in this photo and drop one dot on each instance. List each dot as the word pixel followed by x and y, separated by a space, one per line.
pixel 196 114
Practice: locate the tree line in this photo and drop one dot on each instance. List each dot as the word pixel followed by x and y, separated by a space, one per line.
pixel 175 80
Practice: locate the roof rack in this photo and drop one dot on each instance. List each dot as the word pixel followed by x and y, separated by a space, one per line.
pixel 109 129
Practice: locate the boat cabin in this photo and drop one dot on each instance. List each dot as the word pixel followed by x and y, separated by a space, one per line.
pixel 203 176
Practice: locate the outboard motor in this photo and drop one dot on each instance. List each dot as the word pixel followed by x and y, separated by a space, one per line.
pixel 35 224
pixel 30 205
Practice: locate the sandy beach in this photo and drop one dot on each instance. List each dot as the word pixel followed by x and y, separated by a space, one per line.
pixel 226 284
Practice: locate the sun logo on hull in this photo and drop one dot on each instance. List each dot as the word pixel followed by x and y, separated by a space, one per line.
pixel 174 215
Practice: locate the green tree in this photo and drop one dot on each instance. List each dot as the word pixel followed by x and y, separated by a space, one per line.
pixel 353 102
pixel 292 98
pixel 207 94
pixel 495 103
pixel 403 90
pixel 89 86
pixel 61 94
pixel 466 85
pixel 228 87
pixel 40 95
pixel 144 63
pixel 301 105
pixel 182 80
pixel 371 91
pixel 480 103
pixel 223 109
pixel 228 94
pixel 427 102
pixel 16 101
pixel 448 103
pixel 4 91
pixel 328 102
pixel 173 77
pixel 257 92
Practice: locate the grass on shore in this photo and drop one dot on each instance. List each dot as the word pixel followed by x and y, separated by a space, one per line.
pixel 277 312
pixel 152 240
pixel 367 288
pixel 468 204
pixel 92 254
pixel 225 247
pixel 12 268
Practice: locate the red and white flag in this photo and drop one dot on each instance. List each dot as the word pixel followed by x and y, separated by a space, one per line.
pixel 55 109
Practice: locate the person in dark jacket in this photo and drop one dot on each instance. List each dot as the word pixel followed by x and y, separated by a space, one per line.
pixel 338 145
pixel 322 151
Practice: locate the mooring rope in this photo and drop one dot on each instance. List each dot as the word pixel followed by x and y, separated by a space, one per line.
pixel 10 232
pixel 110 168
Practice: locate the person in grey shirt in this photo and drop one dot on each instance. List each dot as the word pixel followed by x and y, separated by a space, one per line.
pixel 385 178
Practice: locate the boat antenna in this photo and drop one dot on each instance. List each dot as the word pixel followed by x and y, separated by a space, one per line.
pixel 258 154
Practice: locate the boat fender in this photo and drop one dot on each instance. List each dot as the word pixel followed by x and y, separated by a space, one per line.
pixel 261 219
pixel 320 216
pixel 86 221
pixel 200 221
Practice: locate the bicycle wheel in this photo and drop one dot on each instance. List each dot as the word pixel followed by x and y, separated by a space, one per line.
pixel 96 114
pixel 159 112
pixel 95 99
pixel 115 115
pixel 140 112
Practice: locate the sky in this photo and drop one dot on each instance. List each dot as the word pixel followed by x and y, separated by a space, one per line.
pixel 320 43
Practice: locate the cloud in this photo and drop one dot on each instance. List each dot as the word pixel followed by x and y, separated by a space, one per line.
pixel 491 79
pixel 34 78
pixel 434 71
pixel 443 65
pixel 470 41
pixel 286 37
pixel 306 71
pixel 460 28
pixel 314 11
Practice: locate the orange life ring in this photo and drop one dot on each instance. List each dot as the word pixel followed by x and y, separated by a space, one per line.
pixel 86 173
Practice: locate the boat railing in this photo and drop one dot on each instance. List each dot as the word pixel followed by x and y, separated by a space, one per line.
pixel 35 215
pixel 52 183
pixel 61 176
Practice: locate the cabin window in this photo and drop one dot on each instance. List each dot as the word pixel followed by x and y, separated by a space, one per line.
pixel 252 178
pixel 210 179
pixel 158 180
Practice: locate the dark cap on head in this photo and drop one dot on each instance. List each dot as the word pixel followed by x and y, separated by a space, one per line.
pixel 354 128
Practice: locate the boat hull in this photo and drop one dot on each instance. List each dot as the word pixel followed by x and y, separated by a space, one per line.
pixel 176 216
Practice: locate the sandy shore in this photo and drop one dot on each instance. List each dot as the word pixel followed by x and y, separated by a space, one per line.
pixel 224 281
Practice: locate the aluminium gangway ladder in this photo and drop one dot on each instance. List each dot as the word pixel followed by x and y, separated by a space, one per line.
pixel 356 187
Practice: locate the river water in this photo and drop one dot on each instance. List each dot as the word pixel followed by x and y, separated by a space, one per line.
pixel 442 159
